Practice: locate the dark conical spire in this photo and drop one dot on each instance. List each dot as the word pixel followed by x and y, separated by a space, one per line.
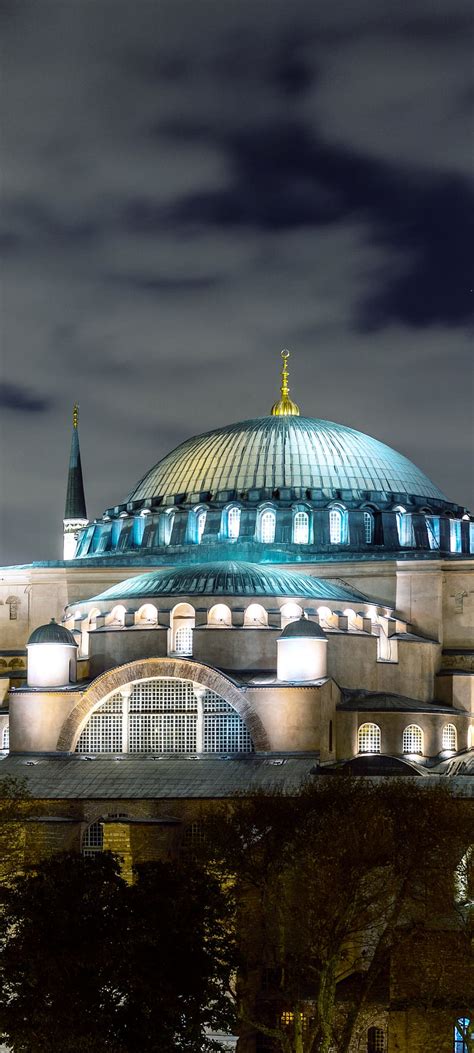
pixel 75 500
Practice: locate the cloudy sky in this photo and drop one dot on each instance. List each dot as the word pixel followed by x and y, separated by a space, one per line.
pixel 188 187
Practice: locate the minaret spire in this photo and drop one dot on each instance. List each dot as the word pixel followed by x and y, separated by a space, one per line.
pixel 285 407
pixel 75 515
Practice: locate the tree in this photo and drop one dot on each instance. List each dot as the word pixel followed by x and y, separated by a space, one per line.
pixel 13 797
pixel 329 883
pixel 88 962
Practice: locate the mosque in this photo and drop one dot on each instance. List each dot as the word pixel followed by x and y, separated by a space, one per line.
pixel 274 597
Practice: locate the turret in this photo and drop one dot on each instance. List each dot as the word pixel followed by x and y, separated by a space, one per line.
pixel 75 515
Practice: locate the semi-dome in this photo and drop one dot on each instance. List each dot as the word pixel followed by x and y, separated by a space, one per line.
pixel 229 579
pixel 283 452
pixel 52 633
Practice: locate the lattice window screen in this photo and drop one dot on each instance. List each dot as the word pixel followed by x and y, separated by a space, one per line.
pixel 369 738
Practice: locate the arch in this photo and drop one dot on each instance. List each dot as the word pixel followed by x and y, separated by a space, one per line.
pixel 449 740
pixel 255 616
pixel 470 737
pixel 219 615
pixel 301 527
pixel 412 739
pixel 353 619
pixel 92 616
pixel 200 517
pixel 114 679
pixel 462 1036
pixel 116 615
pixel 404 526
pixel 147 614
pixel 182 622
pixel 92 840
pixel 325 617
pixel 433 531
pixel 232 527
pixel 289 612
pixel 369 738
pixel 266 526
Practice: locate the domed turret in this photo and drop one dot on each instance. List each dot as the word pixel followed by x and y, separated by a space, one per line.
pixel 52 653
pixel 302 652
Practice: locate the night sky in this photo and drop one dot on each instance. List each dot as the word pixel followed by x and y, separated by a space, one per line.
pixel 190 187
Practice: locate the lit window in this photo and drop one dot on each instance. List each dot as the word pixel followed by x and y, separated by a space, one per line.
pixel 256 616
pixel 200 524
pixel 164 715
pixel 233 522
pixel 369 739
pixel 6 738
pixel 93 839
pixel 301 528
pixel 267 527
pixel 376 1040
pixel 471 537
pixel 368 527
pixel 455 535
pixel 432 526
pixel 404 528
pixel 413 739
pixel 449 740
pixel 166 524
pixel 463 1035
pixel 183 641
pixel 335 526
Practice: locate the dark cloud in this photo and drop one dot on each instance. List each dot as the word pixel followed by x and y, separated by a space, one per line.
pixel 14 397
pixel 185 194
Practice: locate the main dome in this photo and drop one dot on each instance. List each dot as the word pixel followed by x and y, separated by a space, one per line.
pixel 278 452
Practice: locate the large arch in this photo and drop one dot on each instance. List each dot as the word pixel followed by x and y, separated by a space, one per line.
pixel 181 668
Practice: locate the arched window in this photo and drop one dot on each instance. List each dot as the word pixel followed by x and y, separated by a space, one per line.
pixel 166 527
pixel 182 622
pixel 412 739
pixel 463 1035
pixel 255 616
pixel 219 615
pixel 289 613
pixel 200 524
pixel 233 522
pixel 404 527
pixel 450 738
pixel 376 1040
pixel 267 526
pixel 368 527
pixel 432 526
pixel 116 616
pixel 93 839
pixel 6 738
pixel 369 738
pixel 455 535
pixel 301 528
pixel 335 526
pixel 165 715
pixel 146 615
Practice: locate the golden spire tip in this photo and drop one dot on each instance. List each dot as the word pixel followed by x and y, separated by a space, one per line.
pixel 285 407
pixel 75 415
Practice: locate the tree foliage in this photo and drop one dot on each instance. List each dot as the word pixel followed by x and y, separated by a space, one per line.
pixel 329 884
pixel 88 962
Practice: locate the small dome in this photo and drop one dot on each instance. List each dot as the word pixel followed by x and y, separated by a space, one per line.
pixel 52 633
pixel 229 579
pixel 302 629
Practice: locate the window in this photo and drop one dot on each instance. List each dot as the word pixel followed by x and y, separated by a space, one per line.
pixel 289 613
pixel 200 524
pixel 6 738
pixel 449 740
pixel 376 1040
pixel 166 527
pixel 335 526
pixel 233 522
pixel 183 640
pixel 165 715
pixel 368 527
pixel 220 615
pixel 404 527
pixel 256 616
pixel 471 537
pixel 301 528
pixel 267 527
pixel 455 535
pixel 93 839
pixel 413 739
pixel 463 1035
pixel 432 526
pixel 369 739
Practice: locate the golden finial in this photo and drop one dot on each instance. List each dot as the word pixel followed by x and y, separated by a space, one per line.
pixel 285 407
pixel 75 415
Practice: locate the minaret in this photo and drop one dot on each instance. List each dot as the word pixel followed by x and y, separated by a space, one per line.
pixel 75 515
pixel 285 407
